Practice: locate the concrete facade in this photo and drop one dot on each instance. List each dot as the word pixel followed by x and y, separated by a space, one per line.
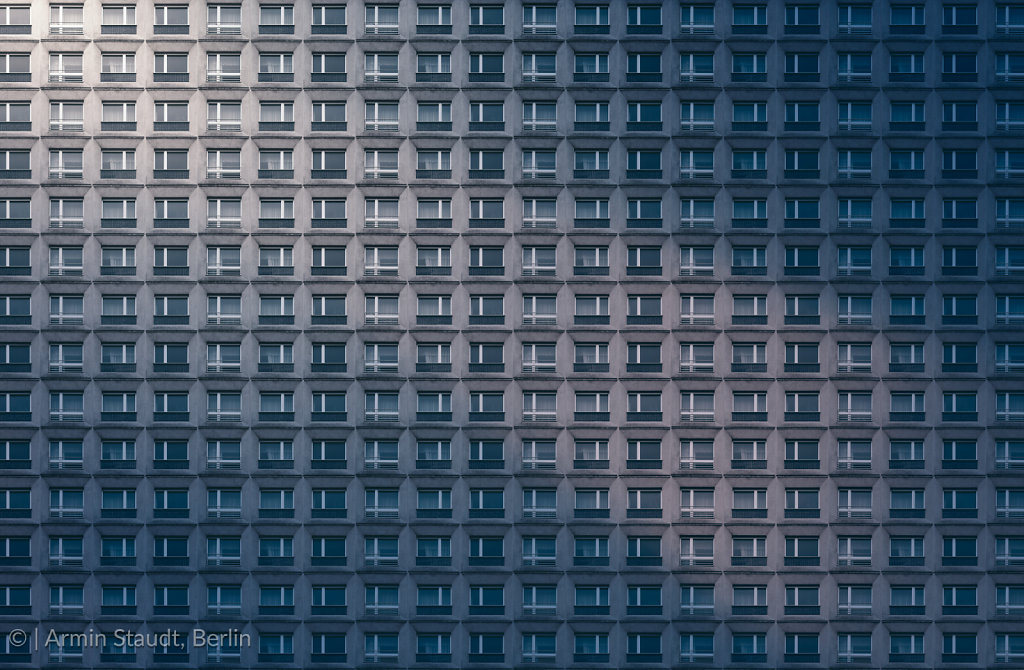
pixel 478 333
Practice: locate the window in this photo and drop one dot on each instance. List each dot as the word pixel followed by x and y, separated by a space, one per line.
pixel 906 600
pixel 224 19
pixel 66 67
pixel 487 503
pixel 381 19
pixel 538 454
pixel 381 116
pixel 539 503
pixel 697 67
pixel 906 503
pixel 960 503
pixel 749 19
pixel 591 503
pixel 330 67
pixel 748 550
pixel 801 550
pixel 486 309
pixel 380 164
pixel 434 406
pixel 591 19
pixel 590 164
pixel 697 503
pixel 538 551
pixel 752 502
pixel 118 406
pixel 749 66
pixel 275 66
pixel 802 19
pixel 643 213
pixel 749 599
pixel 14 67
pixel 749 115
pixel 641 164
pixel 380 504
pixel 486 115
pixel 643 115
pixel 643 19
pixel 539 309
pixel 484 67
pixel 223 454
pixel 694 599
pixel 170 67
pixel 906 19
pixel 16 357
pixel 538 164
pixel 381 309
pixel 380 67
pixel 433 67
pixel 802 599
pixel 328 454
pixel 643 67
pixel 63 455
pixel 279 116
pixel 486 164
pixel 697 19
pixel 170 19
pixel 696 454
pixel 65 503
pixel 276 19
pixel 696 164
pixel 434 19
pixel 380 261
pixel 643 647
pixel 433 116
pixel 801 66
pixel 1009 599
pixel 433 356
pixel 65 309
pixel 221 164
pixel 65 164
pixel 1009 357
pixel 539 67
pixel 381 406
pixel 66 116
pixel 802 504
pixel 380 647
pixel 590 67
pixel 16 19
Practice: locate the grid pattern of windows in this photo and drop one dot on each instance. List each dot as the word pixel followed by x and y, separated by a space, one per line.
pixel 665 332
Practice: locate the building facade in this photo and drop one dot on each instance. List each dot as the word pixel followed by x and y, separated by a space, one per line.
pixel 408 334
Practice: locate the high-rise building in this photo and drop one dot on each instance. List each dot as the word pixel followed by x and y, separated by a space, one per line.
pixel 470 333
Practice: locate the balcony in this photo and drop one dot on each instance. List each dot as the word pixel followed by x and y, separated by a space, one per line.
pixel 66 27
pixel 381 28
pixel 66 513
pixel 224 28
pixel 380 77
pixel 539 513
pixel 538 173
pixel 538 29
pixel 383 416
pixel 538 77
pixel 224 417
pixel 694 77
